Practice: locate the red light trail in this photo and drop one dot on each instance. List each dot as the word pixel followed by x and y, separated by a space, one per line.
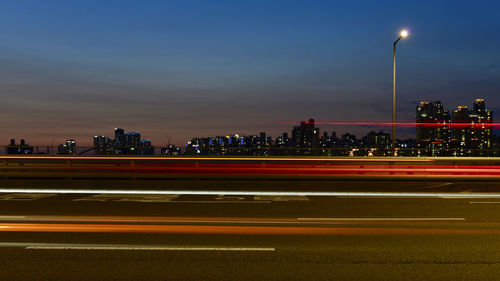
pixel 430 124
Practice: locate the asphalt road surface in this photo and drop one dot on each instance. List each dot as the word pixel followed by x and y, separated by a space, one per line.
pixel 405 231
pixel 359 185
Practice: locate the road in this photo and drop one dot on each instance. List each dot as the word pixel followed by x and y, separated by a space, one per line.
pixel 249 168
pixel 411 231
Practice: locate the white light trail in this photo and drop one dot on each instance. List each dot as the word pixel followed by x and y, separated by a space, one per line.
pixel 254 193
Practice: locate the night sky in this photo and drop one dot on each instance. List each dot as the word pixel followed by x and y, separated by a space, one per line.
pixel 180 69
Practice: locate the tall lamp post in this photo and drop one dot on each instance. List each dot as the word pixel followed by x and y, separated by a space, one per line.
pixel 402 34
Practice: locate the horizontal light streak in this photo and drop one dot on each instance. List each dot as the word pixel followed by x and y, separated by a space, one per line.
pixel 156 220
pixel 492 173
pixel 253 193
pixel 317 221
pixel 364 168
pixel 259 167
pixel 381 219
pixel 228 158
pixel 237 230
pixel 12 217
pixel 63 246
pixel 430 124
pixel 218 220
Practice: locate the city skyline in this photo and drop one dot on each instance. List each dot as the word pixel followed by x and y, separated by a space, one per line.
pixel 172 70
pixel 363 129
pixel 249 139
pixel 464 132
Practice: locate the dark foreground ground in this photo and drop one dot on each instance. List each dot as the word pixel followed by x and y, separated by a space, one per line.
pixel 359 257
pixel 99 236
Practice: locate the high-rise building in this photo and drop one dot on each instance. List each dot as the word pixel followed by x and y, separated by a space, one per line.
pixel 119 138
pixel 467 133
pixel 380 141
pixel 305 138
pixel 123 143
pixel 481 132
pixel 305 141
pixel 69 147
pixel 461 125
pixel 103 145
pixel 472 131
pixel 433 128
pixel 145 148
pixel 329 144
pixel 132 143
pixel 348 140
pixel 21 148
pixel 282 145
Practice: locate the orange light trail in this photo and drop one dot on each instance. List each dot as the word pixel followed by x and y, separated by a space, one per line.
pixel 234 230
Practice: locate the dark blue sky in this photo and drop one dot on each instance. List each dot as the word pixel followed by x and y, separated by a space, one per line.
pixel 74 69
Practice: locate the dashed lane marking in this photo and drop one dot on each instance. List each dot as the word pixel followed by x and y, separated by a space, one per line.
pixel 221 202
pixel 123 248
pixel 159 198
pixel 61 246
pixel 284 198
pixel 381 219
pixel 26 196
pixel 438 185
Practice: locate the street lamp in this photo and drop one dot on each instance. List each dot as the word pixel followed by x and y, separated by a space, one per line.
pixel 402 34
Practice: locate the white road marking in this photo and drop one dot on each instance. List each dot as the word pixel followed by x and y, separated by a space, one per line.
pixel 484 202
pixel 63 246
pixel 164 198
pixel 255 193
pixel 225 197
pixel 283 198
pixel 222 202
pixel 132 220
pixel 381 219
pixel 467 196
pixel 25 196
pixel 146 248
pixel 438 185
pixel 161 198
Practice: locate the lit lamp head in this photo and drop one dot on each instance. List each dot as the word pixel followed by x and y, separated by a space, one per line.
pixel 403 33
